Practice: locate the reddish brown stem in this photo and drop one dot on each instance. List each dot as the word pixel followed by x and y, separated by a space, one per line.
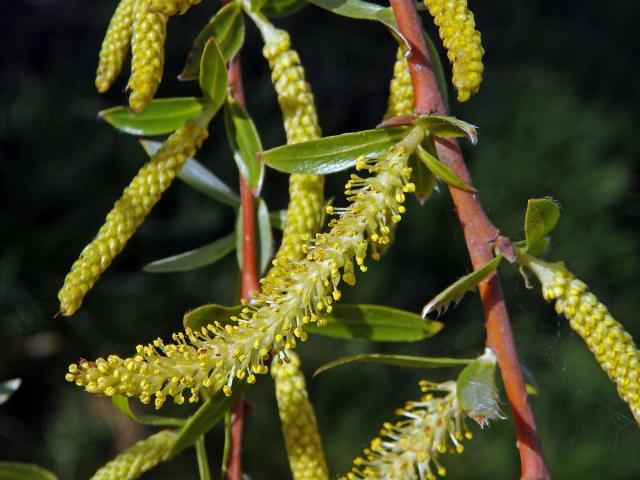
pixel 480 235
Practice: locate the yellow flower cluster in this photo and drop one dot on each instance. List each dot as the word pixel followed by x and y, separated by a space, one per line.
pixel 139 458
pixel 269 324
pixel 410 448
pixel 115 45
pixel 607 339
pixel 170 7
pixel 128 213
pixel 400 89
pixel 462 41
pixel 304 448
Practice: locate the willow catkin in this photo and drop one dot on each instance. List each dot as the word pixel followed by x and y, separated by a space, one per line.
pixel 218 354
pixel 400 89
pixel 170 7
pixel 139 458
pixel 128 213
pixel 463 42
pixel 147 49
pixel 409 449
pixel 607 339
pixel 115 45
pixel 299 428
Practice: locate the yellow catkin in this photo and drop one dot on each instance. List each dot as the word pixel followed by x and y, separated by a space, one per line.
pixel 304 212
pixel 607 339
pixel 400 89
pixel 115 45
pixel 147 49
pixel 139 458
pixel 299 428
pixel 170 7
pixel 218 354
pixel 128 213
pixel 462 41
pixel 410 448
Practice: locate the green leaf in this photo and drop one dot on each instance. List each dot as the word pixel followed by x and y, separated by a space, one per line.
pixel 205 418
pixel 446 127
pixel 227 28
pixel 194 259
pixel 375 322
pixel 161 116
pixel 443 172
pixel 477 391
pixel 245 143
pixel 203 461
pixel 200 178
pixel 122 404
pixel 423 179
pixel 207 314
pixel 226 449
pixel 408 361
pixel 24 471
pixel 331 154
pixel 213 75
pixel 281 8
pixel 8 388
pixel 436 63
pixel 454 292
pixel 278 219
pixel 265 235
pixel 541 218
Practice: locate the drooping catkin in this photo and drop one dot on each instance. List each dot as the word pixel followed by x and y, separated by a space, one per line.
pixel 128 213
pixel 400 89
pixel 607 339
pixel 463 42
pixel 170 7
pixel 147 49
pixel 299 428
pixel 139 458
pixel 410 448
pixel 115 45
pixel 269 324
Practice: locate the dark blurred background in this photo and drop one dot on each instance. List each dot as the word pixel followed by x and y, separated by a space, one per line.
pixel 557 114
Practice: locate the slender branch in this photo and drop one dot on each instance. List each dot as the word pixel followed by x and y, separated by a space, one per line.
pixel 480 235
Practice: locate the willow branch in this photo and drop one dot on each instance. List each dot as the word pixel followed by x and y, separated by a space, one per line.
pixel 480 235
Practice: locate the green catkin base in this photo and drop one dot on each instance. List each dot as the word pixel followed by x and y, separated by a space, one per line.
pixel 410 448
pixel 607 339
pixel 139 458
pixel 147 48
pixel 400 89
pixel 170 7
pixel 299 428
pixel 459 36
pixel 128 213
pixel 115 45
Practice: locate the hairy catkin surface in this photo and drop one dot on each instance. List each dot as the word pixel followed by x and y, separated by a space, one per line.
pixel 139 458
pixel 115 45
pixel 128 213
pixel 147 48
pixel 170 7
pixel 459 36
pixel 400 89
pixel 607 339
pixel 299 428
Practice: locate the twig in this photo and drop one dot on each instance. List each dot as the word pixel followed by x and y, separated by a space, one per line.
pixel 480 235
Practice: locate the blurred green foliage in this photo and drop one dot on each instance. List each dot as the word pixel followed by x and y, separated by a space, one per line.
pixel 557 115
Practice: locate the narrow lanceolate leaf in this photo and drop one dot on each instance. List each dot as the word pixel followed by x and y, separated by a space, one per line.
pixel 245 143
pixel 442 126
pixel 206 417
pixel 377 323
pixel 161 116
pixel 227 28
pixel 122 404
pixel 436 63
pixel 408 361
pixel 8 388
pixel 332 154
pixel 477 391
pixel 200 178
pixel 541 218
pixel 207 314
pixel 454 292
pixel 213 75
pixel 24 471
pixel 443 172
pixel 265 235
pixel 194 259
pixel 422 178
